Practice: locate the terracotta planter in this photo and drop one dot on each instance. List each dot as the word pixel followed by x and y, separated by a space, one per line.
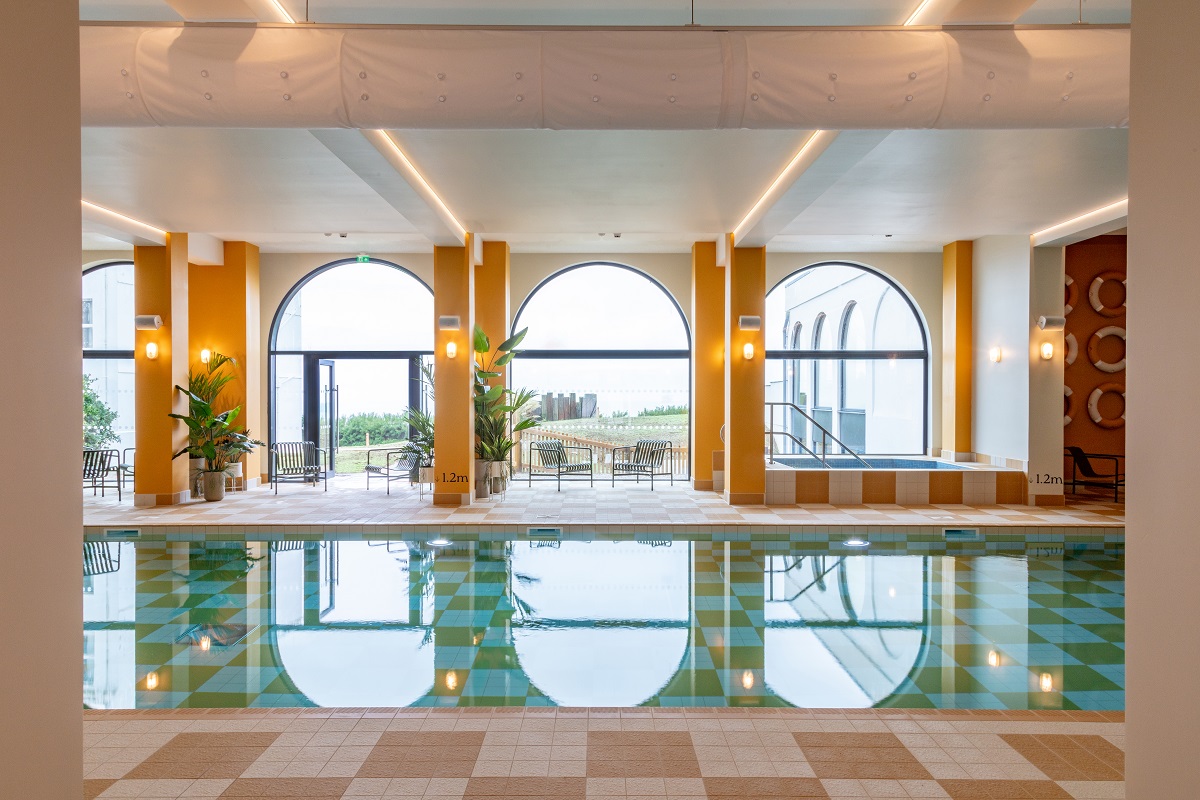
pixel 214 486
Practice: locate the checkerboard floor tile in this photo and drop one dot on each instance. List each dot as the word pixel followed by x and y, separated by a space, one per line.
pixel 628 753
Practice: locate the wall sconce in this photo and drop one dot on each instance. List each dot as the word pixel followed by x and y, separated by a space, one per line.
pixel 151 350
pixel 1047 682
pixel 151 681
pixel 205 355
pixel 994 354
pixel 748 350
pixel 147 322
pixel 993 658
pixel 749 323
pixel 451 350
pixel 1047 351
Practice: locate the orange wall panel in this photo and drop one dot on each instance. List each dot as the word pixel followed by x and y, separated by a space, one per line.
pixel 745 378
pixel 454 409
pixel 708 361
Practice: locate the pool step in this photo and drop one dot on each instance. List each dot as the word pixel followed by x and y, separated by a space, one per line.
pixel 962 535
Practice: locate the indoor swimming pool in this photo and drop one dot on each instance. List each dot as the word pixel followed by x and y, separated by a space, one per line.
pixel 649 621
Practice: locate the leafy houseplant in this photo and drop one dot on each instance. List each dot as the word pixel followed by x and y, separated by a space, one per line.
pixel 212 435
pixel 420 442
pixel 496 406
pixel 98 419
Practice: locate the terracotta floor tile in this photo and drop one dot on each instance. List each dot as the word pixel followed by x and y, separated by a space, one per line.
pixel 423 754
pixel 288 788
pixel 1004 790
pixel 204 755
pixel 94 787
pixel 870 756
pixel 763 788
pixel 531 788
pixel 1070 758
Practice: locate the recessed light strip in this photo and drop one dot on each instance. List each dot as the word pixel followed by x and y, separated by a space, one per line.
pixel 1108 213
pixel 414 177
pixel 789 175
pixel 122 222
pixel 283 12
pixel 912 18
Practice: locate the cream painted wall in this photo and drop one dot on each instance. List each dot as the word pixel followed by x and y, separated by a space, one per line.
pixel 41 586
pixel 1000 308
pixel 93 257
pixel 1046 377
pixel 919 274
pixel 1163 382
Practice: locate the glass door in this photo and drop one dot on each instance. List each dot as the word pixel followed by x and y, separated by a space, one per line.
pixel 327 412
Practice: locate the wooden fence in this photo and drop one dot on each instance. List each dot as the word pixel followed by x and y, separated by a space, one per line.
pixel 602 452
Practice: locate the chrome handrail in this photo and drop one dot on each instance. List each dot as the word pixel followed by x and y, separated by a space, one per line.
pixel 826 435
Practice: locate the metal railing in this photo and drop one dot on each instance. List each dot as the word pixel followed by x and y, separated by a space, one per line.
pixel 826 436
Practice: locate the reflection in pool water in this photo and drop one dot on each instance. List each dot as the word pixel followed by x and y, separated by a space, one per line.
pixel 598 623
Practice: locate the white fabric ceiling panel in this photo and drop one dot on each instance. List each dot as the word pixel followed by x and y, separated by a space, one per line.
pixel 238 77
pixel 844 80
pixel 109 77
pixel 233 76
pixel 1037 79
pixel 442 79
pixel 604 80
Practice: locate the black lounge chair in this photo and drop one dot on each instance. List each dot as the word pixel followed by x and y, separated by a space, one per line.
pixel 649 458
pixel 555 459
pixel 1084 474
pixel 98 467
pixel 397 465
pixel 297 461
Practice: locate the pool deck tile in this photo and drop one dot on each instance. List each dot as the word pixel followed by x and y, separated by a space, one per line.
pixel 836 753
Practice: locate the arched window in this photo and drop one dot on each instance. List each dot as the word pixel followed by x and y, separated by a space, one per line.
pixel 609 354
pixel 346 352
pixel 870 375
pixel 108 377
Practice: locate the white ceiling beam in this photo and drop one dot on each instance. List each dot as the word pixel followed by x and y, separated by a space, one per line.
pixel 1103 220
pixel 206 250
pixel 115 225
pixel 376 158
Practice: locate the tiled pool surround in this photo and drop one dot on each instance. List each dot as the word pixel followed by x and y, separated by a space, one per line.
pixel 644 619
pixel 905 482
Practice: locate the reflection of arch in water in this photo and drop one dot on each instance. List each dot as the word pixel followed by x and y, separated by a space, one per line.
pixel 347 658
pixel 836 637
pixel 601 623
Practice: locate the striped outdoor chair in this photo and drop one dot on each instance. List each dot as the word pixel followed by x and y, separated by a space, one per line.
pixel 397 465
pixel 101 470
pixel 557 461
pixel 649 457
pixel 297 461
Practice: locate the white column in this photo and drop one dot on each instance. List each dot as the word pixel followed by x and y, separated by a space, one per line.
pixel 41 660
pixel 1162 429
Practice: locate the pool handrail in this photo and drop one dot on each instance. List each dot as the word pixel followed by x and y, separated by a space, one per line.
pixel 826 435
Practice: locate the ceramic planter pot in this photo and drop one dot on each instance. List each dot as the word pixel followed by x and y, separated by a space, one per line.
pixel 214 486
pixel 498 472
pixel 425 475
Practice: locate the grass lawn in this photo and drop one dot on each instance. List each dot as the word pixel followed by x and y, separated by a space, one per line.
pixel 354 459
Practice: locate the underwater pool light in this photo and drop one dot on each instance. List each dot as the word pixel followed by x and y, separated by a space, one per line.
pixel 856 541
pixel 441 541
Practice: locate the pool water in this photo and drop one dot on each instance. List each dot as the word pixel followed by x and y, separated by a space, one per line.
pixel 656 622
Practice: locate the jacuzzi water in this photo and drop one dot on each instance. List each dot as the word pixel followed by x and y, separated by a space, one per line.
pixel 844 462
pixel 657 622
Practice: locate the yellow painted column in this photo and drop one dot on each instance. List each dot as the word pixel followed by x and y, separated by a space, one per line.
pixel 745 388
pixel 223 316
pixel 454 408
pixel 492 305
pixel 956 351
pixel 708 361
pixel 161 287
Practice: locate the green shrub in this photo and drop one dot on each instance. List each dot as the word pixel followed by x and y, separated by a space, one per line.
pixel 384 428
pixel 97 419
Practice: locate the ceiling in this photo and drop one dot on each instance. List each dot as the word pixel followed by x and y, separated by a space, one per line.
pixel 558 191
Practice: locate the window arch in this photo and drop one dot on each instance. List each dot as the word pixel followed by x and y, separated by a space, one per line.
pixel 108 365
pixel 346 349
pixel 609 354
pixel 870 376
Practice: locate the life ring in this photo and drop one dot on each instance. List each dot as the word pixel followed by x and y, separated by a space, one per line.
pixel 1093 349
pixel 1094 405
pixel 1072 348
pixel 1072 294
pixel 1068 406
pixel 1094 294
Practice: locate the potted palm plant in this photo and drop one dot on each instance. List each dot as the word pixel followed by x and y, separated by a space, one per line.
pixel 497 407
pixel 420 442
pixel 212 436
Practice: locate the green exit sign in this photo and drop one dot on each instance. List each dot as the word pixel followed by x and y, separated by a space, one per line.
pixel 362 258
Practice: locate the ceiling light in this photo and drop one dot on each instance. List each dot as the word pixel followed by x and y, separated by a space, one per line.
pixel 279 9
pixel 123 221
pixel 912 18
pixel 1111 211
pixel 413 175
